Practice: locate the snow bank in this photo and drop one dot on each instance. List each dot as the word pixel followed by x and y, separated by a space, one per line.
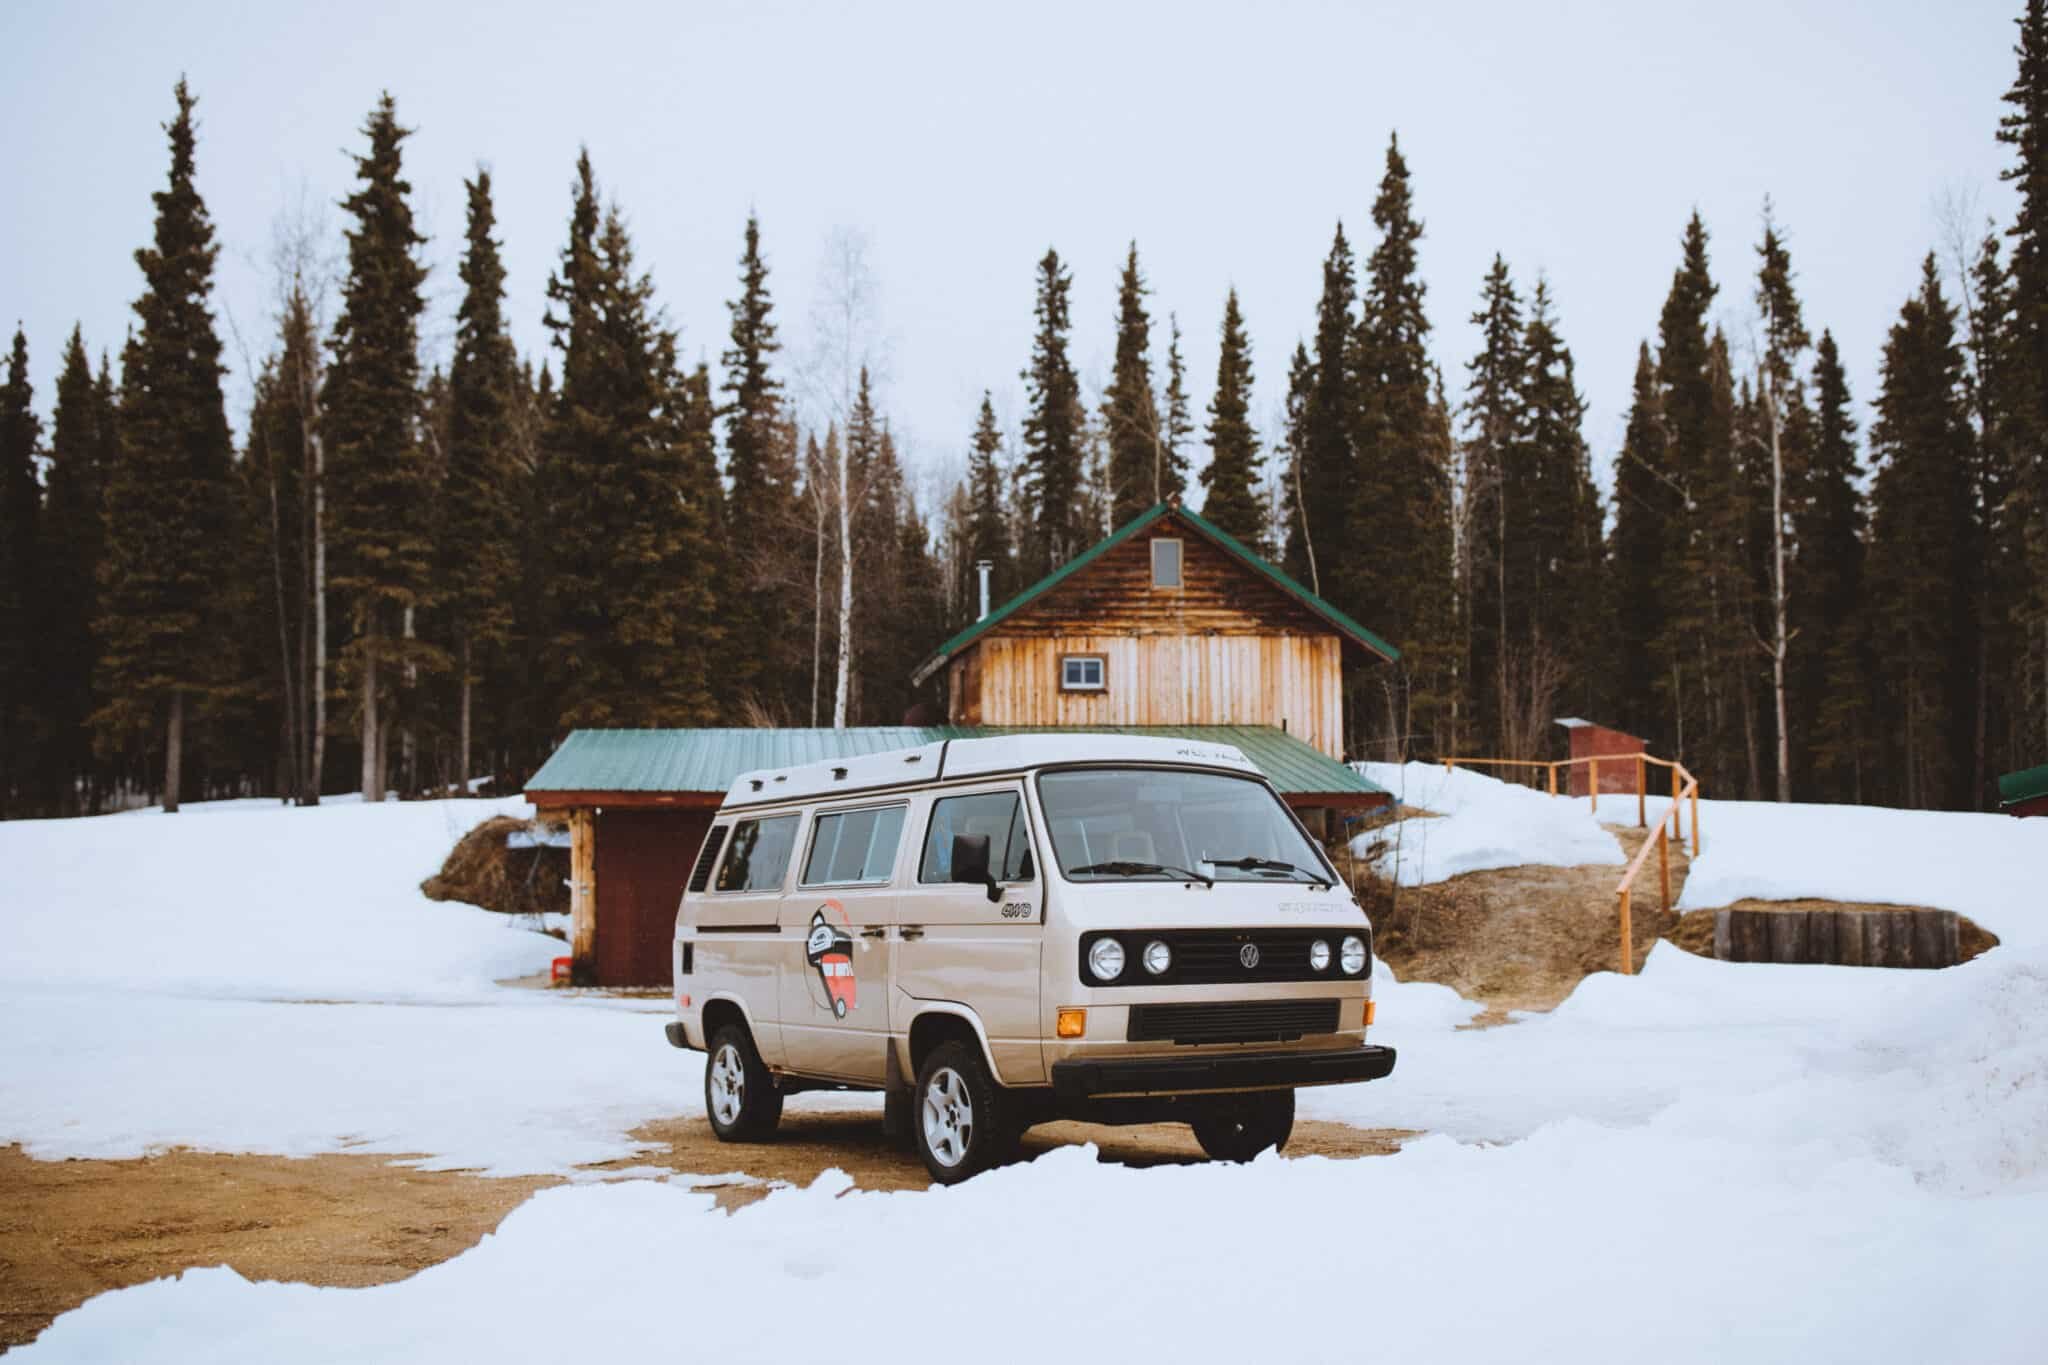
pixel 255 900
pixel 1484 823
pixel 1581 1244
pixel 1992 868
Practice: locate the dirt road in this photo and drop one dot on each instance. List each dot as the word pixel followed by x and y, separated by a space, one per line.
pixel 73 1229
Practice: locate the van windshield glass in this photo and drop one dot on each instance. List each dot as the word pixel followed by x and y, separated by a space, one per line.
pixel 1160 825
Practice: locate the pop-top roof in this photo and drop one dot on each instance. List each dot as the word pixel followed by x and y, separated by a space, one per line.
pixel 1160 511
pixel 593 765
pixel 952 759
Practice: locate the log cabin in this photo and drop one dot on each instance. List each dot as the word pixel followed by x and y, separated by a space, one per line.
pixel 1168 626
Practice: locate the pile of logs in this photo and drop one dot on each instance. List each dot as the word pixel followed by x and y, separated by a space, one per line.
pixel 1850 938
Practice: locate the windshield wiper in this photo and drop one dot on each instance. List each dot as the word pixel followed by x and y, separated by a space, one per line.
pixel 1250 863
pixel 1126 868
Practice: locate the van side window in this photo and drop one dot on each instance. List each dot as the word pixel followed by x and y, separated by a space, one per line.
pixel 999 815
pixel 854 846
pixel 760 854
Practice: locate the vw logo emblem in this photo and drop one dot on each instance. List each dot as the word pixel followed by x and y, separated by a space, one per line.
pixel 1249 955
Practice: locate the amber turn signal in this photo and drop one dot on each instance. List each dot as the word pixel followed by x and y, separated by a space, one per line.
pixel 1072 1023
pixel 1369 1010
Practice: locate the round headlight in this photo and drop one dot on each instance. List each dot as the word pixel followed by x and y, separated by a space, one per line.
pixel 1158 957
pixel 1318 955
pixel 1106 959
pixel 1353 955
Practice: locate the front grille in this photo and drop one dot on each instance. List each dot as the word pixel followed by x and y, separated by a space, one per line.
pixel 1237 1021
pixel 1210 957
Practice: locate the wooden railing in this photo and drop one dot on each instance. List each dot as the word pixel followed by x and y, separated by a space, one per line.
pixel 1685 792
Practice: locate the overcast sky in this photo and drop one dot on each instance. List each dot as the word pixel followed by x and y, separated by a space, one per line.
pixel 964 139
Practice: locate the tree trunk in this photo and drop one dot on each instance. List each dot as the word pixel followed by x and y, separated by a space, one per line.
pixel 294 752
pixel 174 753
pixel 319 688
pixel 818 612
pixel 462 742
pixel 842 686
pixel 1780 642
pixel 373 789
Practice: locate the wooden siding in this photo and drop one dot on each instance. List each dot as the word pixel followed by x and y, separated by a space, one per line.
pixel 1115 595
pixel 1289 681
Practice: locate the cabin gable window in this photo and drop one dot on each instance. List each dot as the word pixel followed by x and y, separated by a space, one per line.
pixel 1083 673
pixel 1166 563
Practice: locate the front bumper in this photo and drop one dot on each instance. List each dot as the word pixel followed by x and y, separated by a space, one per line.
pixel 1114 1076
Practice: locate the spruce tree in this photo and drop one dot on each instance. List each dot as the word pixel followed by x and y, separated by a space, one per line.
pixel 1130 418
pixel 1554 562
pixel 1170 477
pixel 761 468
pixel 988 525
pixel 1645 505
pixel 1399 501
pixel 161 633
pixel 1779 457
pixel 381 483
pixel 22 726
pixel 1494 492
pixel 73 536
pixel 1052 432
pixel 1301 373
pixel 1232 478
pixel 1316 538
pixel 1832 685
pixel 478 542
pixel 1920 516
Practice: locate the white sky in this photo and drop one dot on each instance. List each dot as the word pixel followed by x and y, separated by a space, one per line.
pixel 962 141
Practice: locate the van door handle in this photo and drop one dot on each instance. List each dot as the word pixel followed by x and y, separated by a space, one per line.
pixel 911 931
pixel 875 933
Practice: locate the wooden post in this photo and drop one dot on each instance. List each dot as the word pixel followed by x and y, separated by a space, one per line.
pixel 1695 819
pixel 1628 957
pixel 583 890
pixel 1642 793
pixel 1451 765
pixel 1593 782
pixel 1674 803
pixel 1664 862
pixel 1553 779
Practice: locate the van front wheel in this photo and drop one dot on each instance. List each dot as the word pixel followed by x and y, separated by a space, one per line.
pixel 959 1115
pixel 740 1097
pixel 1242 1126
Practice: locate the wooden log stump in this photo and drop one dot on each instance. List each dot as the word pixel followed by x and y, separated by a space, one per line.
pixel 1848 938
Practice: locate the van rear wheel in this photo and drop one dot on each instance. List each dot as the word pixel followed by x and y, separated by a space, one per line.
pixel 740 1097
pixel 960 1115
pixel 1239 1127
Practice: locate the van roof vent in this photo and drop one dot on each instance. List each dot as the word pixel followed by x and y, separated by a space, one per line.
pixel 757 784
pixel 839 774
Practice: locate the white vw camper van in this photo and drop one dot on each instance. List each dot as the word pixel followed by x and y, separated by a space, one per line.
pixel 999 932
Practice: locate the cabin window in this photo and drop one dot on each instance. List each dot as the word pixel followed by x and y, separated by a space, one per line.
pixel 1166 563
pixel 1083 673
pixel 760 854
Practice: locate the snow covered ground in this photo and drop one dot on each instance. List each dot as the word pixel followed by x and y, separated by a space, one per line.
pixel 1484 824
pixel 1704 1162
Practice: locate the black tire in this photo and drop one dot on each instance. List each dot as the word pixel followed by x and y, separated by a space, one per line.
pixel 962 1120
pixel 740 1097
pixel 1239 1127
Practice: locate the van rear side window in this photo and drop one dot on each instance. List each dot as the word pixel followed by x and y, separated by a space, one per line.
pixel 854 846
pixel 760 854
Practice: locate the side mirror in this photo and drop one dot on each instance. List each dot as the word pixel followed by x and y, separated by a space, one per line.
pixel 970 864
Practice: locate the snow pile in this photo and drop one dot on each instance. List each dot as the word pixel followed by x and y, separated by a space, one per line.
pixel 1989 867
pixel 1580 1244
pixel 254 900
pixel 1482 823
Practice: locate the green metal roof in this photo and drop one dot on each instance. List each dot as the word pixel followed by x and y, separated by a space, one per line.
pixel 707 761
pixel 2023 785
pixel 1158 512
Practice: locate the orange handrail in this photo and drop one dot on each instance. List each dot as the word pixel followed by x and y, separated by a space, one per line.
pixel 1685 795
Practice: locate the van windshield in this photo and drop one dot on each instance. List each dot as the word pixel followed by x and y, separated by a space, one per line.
pixel 1162 824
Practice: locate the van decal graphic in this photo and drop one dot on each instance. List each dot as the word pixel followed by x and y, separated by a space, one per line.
pixel 829 949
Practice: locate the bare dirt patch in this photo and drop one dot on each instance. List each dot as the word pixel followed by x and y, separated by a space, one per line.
pixel 72 1229
pixel 1519 938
